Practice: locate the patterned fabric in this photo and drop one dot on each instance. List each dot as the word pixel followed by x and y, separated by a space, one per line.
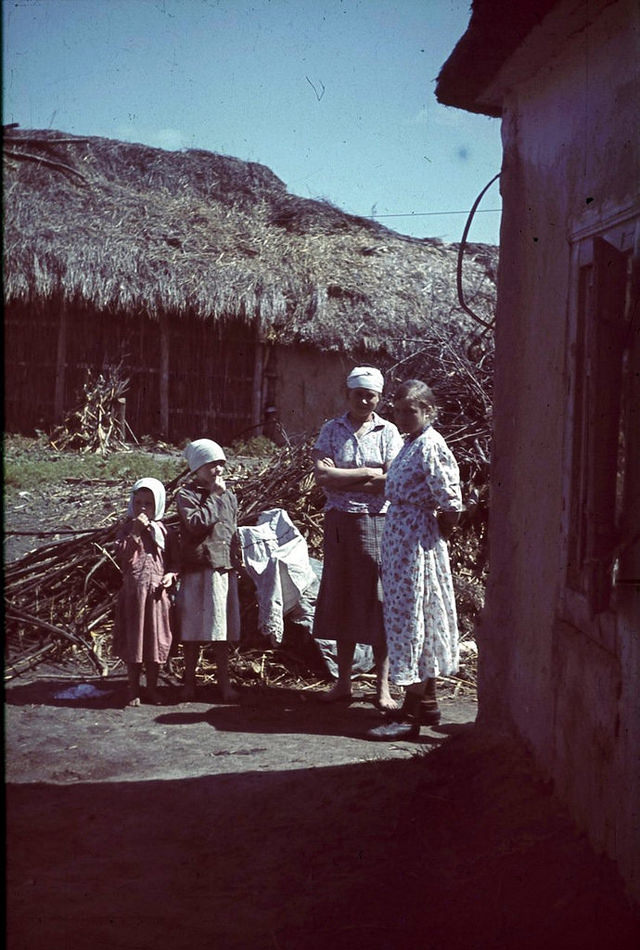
pixel 419 604
pixel 375 447
pixel 349 605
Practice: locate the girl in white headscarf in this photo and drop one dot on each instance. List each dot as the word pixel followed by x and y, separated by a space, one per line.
pixel 207 602
pixel 147 555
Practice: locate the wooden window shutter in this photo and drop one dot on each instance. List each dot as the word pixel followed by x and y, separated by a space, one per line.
pixel 605 382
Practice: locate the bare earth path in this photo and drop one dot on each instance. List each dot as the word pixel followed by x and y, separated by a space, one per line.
pixel 274 825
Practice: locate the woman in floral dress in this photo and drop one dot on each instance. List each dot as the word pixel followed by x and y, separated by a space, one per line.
pixel 423 488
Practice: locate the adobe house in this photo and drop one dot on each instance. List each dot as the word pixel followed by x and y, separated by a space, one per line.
pixel 560 634
pixel 221 295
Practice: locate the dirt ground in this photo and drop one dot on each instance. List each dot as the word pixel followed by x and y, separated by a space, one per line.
pixel 274 824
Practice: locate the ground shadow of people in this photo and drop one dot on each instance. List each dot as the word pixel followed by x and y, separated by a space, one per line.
pixel 274 710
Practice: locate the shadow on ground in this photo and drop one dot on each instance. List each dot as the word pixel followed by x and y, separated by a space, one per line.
pixel 259 710
pixel 462 848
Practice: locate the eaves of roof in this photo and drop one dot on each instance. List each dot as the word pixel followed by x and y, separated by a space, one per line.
pixel 496 29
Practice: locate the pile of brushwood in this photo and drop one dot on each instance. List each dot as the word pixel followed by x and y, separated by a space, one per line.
pixel 59 598
pixel 98 423
pixel 61 595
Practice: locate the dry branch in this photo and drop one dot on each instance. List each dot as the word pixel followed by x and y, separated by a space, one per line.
pixel 22 617
pixel 64 592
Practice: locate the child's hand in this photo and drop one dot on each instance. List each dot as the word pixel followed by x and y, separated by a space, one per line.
pixel 139 522
pixel 168 579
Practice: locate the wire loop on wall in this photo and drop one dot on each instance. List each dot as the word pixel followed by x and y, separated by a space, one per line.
pixel 463 244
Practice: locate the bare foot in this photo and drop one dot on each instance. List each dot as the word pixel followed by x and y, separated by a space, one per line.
pixel 387 703
pixel 337 694
pixel 133 699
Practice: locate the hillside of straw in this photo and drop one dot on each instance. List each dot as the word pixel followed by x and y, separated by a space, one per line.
pixel 130 228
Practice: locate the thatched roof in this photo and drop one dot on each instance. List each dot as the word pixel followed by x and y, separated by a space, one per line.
pixel 122 227
pixel 495 31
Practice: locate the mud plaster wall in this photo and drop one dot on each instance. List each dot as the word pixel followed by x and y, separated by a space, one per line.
pixel 310 387
pixel 570 157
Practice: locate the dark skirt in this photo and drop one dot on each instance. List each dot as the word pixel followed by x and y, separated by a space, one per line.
pixel 349 605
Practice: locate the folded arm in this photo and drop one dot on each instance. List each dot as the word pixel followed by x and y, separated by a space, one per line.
pixel 366 478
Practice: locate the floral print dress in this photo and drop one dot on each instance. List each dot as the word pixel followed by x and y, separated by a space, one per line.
pixel 419 604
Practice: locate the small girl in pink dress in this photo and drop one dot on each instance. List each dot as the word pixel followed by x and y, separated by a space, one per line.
pixel 147 555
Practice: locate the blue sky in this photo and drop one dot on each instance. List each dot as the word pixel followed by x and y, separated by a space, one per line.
pixel 336 97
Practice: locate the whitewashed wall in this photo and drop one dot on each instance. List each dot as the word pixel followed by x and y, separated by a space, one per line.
pixel 571 163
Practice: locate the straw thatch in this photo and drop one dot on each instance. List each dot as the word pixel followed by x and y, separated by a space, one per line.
pixel 128 228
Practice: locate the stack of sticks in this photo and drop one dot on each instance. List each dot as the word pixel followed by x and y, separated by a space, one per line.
pixel 98 424
pixel 57 596
pixel 61 596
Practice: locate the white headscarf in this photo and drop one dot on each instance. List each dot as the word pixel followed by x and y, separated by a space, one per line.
pixel 202 451
pixel 157 490
pixel 366 377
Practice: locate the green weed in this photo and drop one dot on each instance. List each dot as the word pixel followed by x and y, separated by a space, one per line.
pixel 258 446
pixel 24 473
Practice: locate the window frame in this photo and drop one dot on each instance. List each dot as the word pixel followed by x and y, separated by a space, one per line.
pixel 604 270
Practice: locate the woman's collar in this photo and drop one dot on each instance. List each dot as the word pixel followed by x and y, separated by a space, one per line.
pixel 412 438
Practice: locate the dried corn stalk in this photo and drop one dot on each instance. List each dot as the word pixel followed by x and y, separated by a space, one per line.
pixel 97 424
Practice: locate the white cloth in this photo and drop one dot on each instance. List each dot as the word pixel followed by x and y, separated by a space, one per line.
pixel 208 606
pixel 366 377
pixel 276 558
pixel 202 451
pixel 157 490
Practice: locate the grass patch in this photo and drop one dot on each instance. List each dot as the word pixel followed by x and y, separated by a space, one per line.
pixel 258 446
pixel 26 470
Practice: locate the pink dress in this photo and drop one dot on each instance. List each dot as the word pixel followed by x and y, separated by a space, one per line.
pixel 142 625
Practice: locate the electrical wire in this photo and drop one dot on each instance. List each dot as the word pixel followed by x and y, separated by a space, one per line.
pixel 425 214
